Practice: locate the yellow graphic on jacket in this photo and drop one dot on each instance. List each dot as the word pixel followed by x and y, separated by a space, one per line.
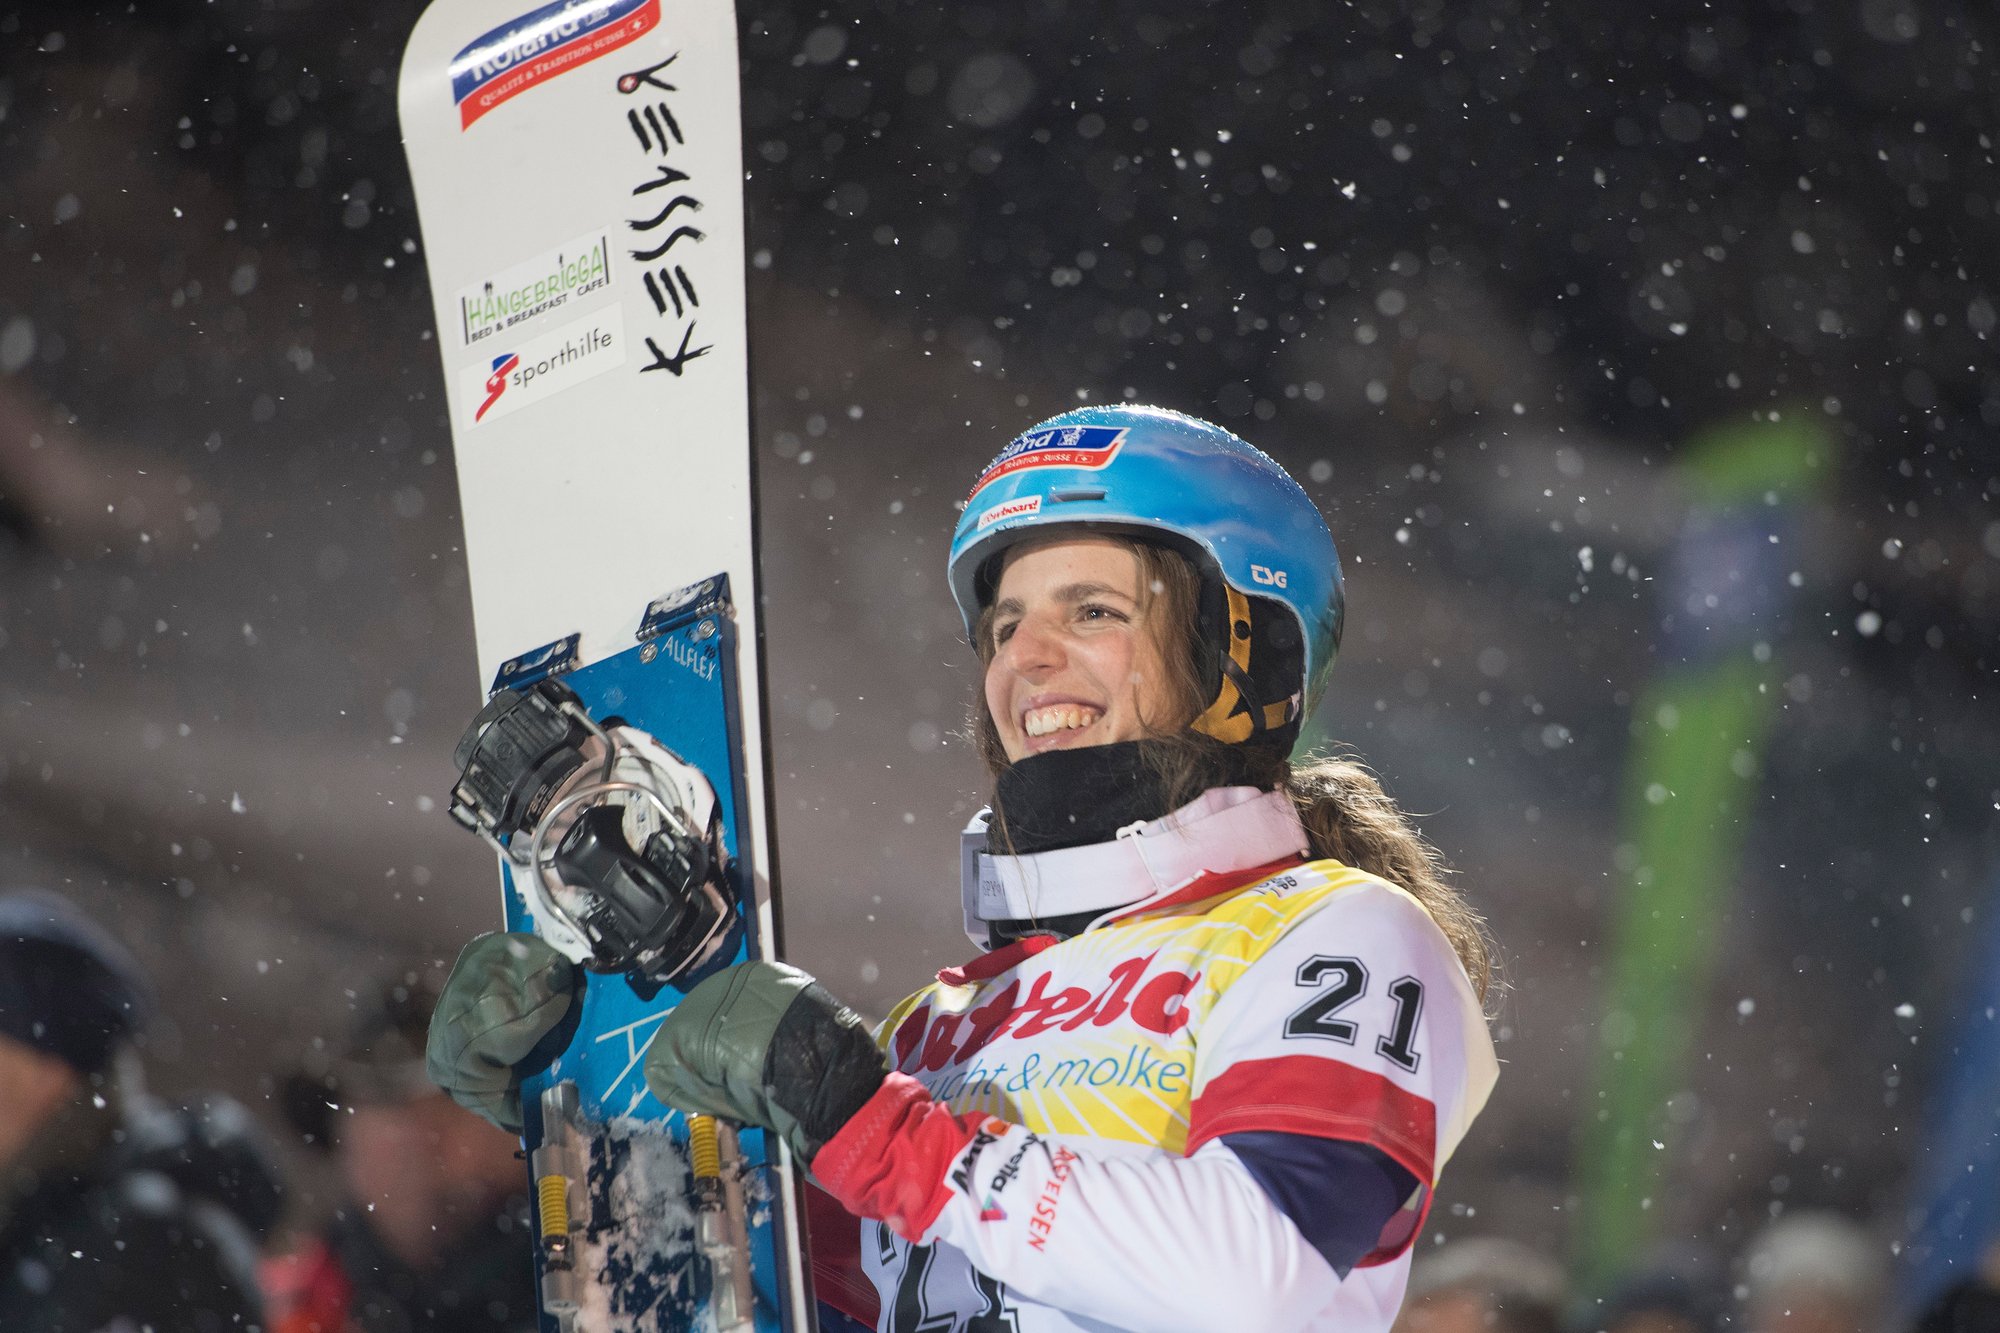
pixel 1111 1034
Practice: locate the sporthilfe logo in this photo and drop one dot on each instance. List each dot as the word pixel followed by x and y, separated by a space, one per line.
pixel 539 367
pixel 541 44
pixel 1059 446
pixel 496 383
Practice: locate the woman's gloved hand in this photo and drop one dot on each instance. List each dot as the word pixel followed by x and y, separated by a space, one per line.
pixel 502 1016
pixel 764 1044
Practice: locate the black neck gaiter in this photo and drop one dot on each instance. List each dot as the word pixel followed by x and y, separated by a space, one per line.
pixel 1066 798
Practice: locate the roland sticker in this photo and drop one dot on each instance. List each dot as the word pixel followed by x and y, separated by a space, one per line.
pixel 541 44
pixel 1058 446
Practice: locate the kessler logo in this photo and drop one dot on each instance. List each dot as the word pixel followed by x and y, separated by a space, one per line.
pixel 1058 446
pixel 541 44
pixel 560 359
pixel 496 383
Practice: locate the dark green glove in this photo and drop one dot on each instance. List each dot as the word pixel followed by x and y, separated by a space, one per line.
pixel 503 1006
pixel 764 1044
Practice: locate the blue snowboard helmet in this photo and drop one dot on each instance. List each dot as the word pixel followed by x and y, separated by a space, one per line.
pixel 1272 594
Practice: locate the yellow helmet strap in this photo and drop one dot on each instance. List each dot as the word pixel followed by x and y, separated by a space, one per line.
pixel 1237 713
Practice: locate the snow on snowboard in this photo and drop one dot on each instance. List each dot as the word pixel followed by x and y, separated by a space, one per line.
pixel 578 172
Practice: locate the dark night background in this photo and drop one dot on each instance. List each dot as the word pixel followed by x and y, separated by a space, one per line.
pixel 1476 273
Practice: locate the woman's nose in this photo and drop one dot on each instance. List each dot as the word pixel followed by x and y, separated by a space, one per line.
pixel 1033 646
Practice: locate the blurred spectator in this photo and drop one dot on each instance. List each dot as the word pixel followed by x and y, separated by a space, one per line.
pixel 1679 1289
pixel 115 1212
pixel 431 1235
pixel 1971 1306
pixel 1483 1285
pixel 1814 1273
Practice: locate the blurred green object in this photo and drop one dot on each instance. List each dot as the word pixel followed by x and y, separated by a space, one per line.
pixel 1699 729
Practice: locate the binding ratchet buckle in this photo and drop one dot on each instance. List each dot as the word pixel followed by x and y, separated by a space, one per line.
pixel 615 840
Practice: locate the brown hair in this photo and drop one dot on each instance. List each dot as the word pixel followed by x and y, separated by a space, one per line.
pixel 1346 814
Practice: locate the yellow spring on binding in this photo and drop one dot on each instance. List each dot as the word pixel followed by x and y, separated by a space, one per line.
pixel 553 1191
pixel 702 1144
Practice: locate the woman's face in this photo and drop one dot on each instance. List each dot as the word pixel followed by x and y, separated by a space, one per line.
pixel 1072 663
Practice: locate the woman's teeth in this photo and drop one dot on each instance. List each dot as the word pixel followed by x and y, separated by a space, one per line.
pixel 1060 717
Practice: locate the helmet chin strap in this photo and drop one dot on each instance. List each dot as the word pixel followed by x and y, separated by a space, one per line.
pixel 1221 718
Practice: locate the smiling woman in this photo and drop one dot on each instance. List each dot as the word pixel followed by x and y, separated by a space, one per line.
pixel 1227 1026
pixel 1138 640
pixel 1072 656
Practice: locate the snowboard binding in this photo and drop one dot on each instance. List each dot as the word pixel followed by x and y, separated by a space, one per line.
pixel 614 839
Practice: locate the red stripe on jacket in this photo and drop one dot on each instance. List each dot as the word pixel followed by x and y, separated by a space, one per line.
pixel 1305 1094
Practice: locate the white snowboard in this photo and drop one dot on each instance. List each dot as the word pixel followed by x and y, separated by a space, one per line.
pixel 578 172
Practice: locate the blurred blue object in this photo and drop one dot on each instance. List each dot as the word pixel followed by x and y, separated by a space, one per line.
pixel 1955 1195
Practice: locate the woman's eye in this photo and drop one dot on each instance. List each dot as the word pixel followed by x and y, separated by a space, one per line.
pixel 1002 633
pixel 1098 611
